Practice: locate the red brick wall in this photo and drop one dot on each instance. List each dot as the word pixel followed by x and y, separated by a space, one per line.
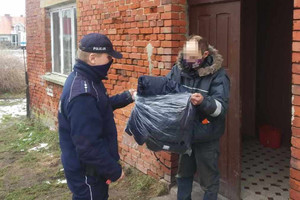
pixel 131 25
pixel 295 157
pixel 39 62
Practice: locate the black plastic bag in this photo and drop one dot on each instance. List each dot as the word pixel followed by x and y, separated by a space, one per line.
pixel 163 122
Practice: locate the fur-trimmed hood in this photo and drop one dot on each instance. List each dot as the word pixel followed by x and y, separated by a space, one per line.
pixel 204 71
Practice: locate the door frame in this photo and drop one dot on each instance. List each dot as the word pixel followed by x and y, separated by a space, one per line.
pixel 200 2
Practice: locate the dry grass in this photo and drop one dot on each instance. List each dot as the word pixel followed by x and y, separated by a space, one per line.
pixel 12 77
pixel 28 175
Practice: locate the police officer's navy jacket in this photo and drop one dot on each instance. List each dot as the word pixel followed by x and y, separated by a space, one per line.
pixel 87 130
pixel 213 83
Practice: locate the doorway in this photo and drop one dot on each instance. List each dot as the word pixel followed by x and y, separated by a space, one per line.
pixel 255 39
pixel 266 46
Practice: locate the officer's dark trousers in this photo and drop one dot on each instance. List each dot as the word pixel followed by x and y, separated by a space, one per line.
pixel 88 188
pixel 204 160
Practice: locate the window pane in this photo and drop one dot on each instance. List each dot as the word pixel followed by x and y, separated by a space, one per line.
pixel 56 42
pixel 67 40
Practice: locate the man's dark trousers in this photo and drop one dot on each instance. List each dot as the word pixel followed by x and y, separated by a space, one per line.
pixel 204 160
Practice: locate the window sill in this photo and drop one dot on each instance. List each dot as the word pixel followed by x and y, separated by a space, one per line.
pixel 55 78
pixel 51 3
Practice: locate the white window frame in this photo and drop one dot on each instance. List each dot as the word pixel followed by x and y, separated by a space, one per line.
pixel 60 9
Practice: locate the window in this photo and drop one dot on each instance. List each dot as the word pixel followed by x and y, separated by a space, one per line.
pixel 63 39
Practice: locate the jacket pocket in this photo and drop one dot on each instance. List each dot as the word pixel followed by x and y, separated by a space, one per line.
pixel 206 132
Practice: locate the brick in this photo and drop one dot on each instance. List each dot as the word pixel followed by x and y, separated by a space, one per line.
pixel 294 184
pixel 140 69
pixel 160 51
pixel 166 30
pixel 296 111
pixel 112 76
pixel 160 22
pixel 140 63
pixel 152 23
pixel 296 122
pixel 295 163
pixel 168 51
pixel 141 37
pixel 295 174
pixel 170 44
pixel 166 58
pixel 156 72
pixel 174 8
pixel 162 37
pixel 164 2
pixel 296 89
pixel 123 8
pixel 169 16
pixel 117 43
pixel 112 31
pixel 294 195
pixel 108 21
pixel 296 100
pixel 153 16
pixel 296 35
pixel 147 10
pixel 296 79
pixel 153 37
pixel 156 30
pixel 139 43
pixel 296 46
pixel 297 14
pixel 166 155
pixel 135 55
pixel 295 152
pixel 296 25
pixel 295 142
pixel 146 24
pixel 128 67
pixel 296 68
pixel 141 18
pixel 147 30
pixel 156 43
pixel 135 5
pixel 296 132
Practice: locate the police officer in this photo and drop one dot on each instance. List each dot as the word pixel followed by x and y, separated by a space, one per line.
pixel 87 130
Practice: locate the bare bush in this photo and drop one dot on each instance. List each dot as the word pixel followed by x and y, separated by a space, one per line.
pixel 12 77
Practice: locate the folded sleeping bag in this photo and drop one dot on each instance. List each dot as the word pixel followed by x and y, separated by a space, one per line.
pixel 163 115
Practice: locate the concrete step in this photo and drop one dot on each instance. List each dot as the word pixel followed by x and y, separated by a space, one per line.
pixel 197 194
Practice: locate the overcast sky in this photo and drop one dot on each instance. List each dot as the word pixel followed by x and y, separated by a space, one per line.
pixel 12 7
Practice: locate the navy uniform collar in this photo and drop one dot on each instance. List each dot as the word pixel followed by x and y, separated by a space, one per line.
pixel 94 73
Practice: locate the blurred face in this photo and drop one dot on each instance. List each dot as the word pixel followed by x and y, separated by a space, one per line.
pixel 99 59
pixel 192 53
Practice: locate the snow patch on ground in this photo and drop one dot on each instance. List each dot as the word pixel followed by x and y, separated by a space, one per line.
pixel 18 109
pixel 59 181
pixel 37 148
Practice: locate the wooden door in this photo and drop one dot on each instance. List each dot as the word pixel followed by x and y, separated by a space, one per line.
pixel 220 24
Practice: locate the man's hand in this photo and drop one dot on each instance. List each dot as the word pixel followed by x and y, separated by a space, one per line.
pixel 133 93
pixel 196 99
